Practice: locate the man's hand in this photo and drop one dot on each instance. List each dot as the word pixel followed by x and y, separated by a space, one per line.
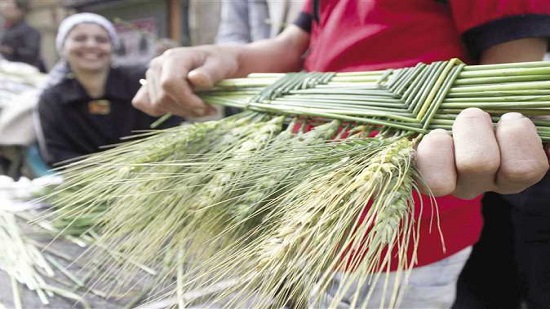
pixel 478 157
pixel 172 78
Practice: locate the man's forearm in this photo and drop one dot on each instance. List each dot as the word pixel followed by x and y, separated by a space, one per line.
pixel 280 54
pixel 523 50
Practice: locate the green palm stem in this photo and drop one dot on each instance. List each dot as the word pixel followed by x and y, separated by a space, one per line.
pixel 398 98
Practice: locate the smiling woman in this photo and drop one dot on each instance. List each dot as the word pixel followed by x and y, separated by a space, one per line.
pixel 89 106
pixel 88 48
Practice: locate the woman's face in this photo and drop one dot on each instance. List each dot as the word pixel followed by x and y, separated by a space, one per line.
pixel 88 48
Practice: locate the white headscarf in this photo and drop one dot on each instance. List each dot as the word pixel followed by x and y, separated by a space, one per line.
pixel 70 22
pixel 61 68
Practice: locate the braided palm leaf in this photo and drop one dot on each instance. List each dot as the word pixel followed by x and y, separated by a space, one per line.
pixel 417 99
pixel 275 211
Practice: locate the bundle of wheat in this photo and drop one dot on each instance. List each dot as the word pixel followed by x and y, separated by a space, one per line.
pixel 278 209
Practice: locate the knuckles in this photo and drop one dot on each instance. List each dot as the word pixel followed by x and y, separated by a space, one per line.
pixel 168 85
pixel 478 165
pixel 161 103
pixel 437 174
pixel 473 113
pixel 441 186
pixel 522 174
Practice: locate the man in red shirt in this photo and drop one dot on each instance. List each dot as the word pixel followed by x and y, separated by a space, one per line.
pixel 349 35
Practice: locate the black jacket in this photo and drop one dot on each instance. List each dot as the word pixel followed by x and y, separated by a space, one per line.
pixel 534 200
pixel 25 41
pixel 73 124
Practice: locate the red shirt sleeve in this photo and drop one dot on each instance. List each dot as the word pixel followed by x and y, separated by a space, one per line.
pixel 305 19
pixel 486 23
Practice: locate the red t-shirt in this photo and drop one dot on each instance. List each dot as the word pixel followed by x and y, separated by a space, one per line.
pixel 365 35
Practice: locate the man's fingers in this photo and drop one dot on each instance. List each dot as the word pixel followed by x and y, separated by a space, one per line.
pixel 169 90
pixel 435 161
pixel 173 78
pixel 175 87
pixel 477 155
pixel 152 86
pixel 141 101
pixel 206 75
pixel 200 79
pixel 523 159
pixel 507 159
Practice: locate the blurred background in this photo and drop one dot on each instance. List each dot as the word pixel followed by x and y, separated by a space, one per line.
pixel 139 23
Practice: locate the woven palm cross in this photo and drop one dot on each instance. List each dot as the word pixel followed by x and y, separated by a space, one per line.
pixel 416 99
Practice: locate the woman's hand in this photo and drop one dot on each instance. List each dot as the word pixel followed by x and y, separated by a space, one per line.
pixel 173 77
pixel 478 157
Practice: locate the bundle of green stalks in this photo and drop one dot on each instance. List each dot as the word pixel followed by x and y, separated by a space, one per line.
pixel 259 200
pixel 26 264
